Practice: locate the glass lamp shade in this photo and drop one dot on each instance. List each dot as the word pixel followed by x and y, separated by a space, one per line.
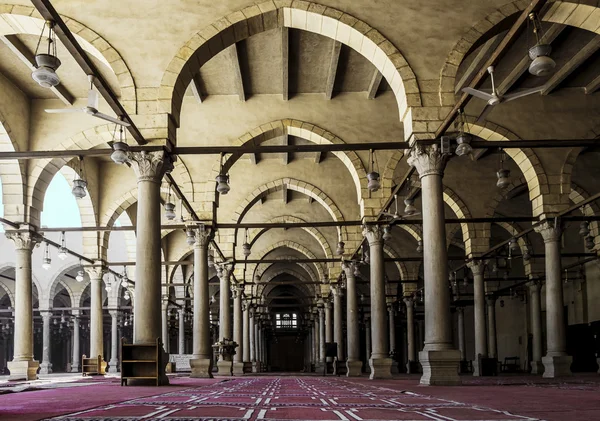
pixel 80 276
pixel 356 271
pixel 223 184
pixel 409 207
pixel 463 148
pixel 46 263
pixel 170 211
pixel 119 155
pixel 246 249
pixel 589 243
pixel 79 186
pixel 126 295
pixel 62 253
pixel 387 235
pixel 584 229
pixel 373 184
pixel 514 246
pixel 419 246
pixel 340 248
pixel 124 282
pixel 503 178
pixel 45 72
pixel 541 62
pixel 191 238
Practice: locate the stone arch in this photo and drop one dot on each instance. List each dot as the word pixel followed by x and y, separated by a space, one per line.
pixel 525 159
pixel 296 185
pixel 257 233
pixel 16 19
pixel 572 12
pixel 262 287
pixel 11 297
pixel 302 15
pixel 571 158
pixel 387 178
pixel 52 286
pixel 291 245
pixel 12 175
pixel 399 265
pixel 302 130
pixel 513 229
pixel 461 211
pixel 578 195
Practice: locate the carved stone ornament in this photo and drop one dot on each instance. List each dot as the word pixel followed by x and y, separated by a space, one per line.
pixel 349 267
pixel 476 267
pixel 202 237
pixel 550 231
pixel 150 166
pixel 427 160
pixel 24 240
pixel 373 234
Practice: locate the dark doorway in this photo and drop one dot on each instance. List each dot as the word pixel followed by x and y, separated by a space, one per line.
pixel 286 352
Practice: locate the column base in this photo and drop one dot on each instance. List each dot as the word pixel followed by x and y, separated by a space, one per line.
pixel 395 369
pixel 23 370
pixel 201 368
pixel 75 368
pixel 537 367
pixel 255 367
pixel 225 368
pixel 46 368
pixel 113 366
pixel 440 368
pixel 237 369
pixel 247 367
pixel 353 368
pixel 319 367
pixel 557 366
pixel 381 368
pixel 476 368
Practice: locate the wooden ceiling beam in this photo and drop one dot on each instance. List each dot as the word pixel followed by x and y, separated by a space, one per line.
pixel 285 62
pixel 593 85
pixel 45 8
pixel 27 57
pixel 483 54
pixel 577 60
pixel 502 48
pixel 196 86
pixel 374 84
pixel 286 155
pixel 237 72
pixel 333 66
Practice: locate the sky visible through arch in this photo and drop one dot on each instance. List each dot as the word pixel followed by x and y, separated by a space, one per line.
pixel 60 206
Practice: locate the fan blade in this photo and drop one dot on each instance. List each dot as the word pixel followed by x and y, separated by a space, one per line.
pixel 478 94
pixel 111 119
pixel 521 94
pixel 412 214
pixel 93 99
pixel 387 214
pixel 65 110
pixel 484 113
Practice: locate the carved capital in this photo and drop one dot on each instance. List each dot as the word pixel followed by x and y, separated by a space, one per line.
pixel 96 272
pixel 373 234
pixel 224 271
pixel 550 231
pixel 477 267
pixel 150 166
pixel 427 160
pixel 24 240
pixel 349 267
pixel 202 237
pixel 408 301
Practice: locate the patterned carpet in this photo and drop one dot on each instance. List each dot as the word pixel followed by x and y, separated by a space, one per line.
pixel 289 399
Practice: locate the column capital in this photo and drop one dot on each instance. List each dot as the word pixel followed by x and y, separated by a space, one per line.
pixel 202 235
pixel 427 160
pixel 96 271
pixel 408 301
pixel 113 313
pixel 46 313
pixel 224 270
pixel 460 309
pixel 549 230
pixel 491 301
pixel 476 266
pixel 24 240
pixel 337 290
pixel 151 166
pixel 534 286
pixel 349 266
pixel 373 234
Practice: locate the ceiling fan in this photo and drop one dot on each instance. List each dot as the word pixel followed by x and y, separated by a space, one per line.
pixel 494 98
pixel 91 108
pixel 409 210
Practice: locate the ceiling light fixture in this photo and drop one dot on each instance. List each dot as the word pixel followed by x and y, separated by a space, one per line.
pixel 246 247
pixel 542 64
pixel 589 243
pixel 463 139
pixel 79 183
pixel 409 207
pixel 584 229
pixel 503 174
pixel 222 180
pixel 387 233
pixel 80 273
pixel 420 246
pixel 63 251
pixel 170 207
pixel 46 261
pixel 373 176
pixel 340 248
pixel 191 237
pixel 47 63
pixel 120 147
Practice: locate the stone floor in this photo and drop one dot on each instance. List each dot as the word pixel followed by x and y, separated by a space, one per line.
pixel 273 398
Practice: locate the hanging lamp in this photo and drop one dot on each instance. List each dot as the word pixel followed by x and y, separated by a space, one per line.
pixel 170 207
pixel 47 63
pixel 541 62
pixel 222 180
pixel 246 247
pixel 120 147
pixel 62 251
pixel 373 176
pixel 80 273
pixel 79 184
pixel 503 174
pixel 463 139
pixel 46 261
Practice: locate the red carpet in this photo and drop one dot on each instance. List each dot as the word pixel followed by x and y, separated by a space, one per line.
pixel 309 398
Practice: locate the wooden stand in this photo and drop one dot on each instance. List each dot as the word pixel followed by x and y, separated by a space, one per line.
pixel 92 366
pixel 140 362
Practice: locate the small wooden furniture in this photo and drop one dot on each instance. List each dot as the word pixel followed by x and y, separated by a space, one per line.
pixel 140 361
pixel 511 365
pixel 91 366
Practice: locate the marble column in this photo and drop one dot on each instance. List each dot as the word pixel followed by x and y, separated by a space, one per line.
pixel 328 326
pixel 254 346
pixel 252 338
pixel 225 364
pixel 368 342
pixel 201 361
pixel 46 365
pixel 238 362
pixel 165 325
pixel 392 326
pixel 96 317
pixel 536 327
pixel 556 362
pixel 439 360
pixel 314 342
pixel 75 365
pixel 23 366
pixel 481 347
pixel 353 363
pixel 113 364
pixel 492 347
pixel 322 335
pixel 380 361
pixel 246 338
pixel 149 168
pixel 319 364
pixel 260 347
pixel 181 337
pixel 410 333
pixel 461 333
pixel 338 330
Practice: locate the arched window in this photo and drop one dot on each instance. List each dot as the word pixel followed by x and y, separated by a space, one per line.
pixel 286 321
pixel 60 206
